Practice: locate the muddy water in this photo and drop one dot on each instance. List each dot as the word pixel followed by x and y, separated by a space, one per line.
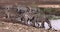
pixel 55 24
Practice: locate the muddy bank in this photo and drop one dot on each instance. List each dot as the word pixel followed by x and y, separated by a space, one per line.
pixel 10 27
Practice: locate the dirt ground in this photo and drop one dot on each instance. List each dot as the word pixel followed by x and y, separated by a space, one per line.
pixel 15 27
pixel 28 2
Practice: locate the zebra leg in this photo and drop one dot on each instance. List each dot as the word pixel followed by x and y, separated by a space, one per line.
pixel 49 24
pixel 7 15
pixel 37 24
pixel 26 21
pixel 33 23
pixel 42 24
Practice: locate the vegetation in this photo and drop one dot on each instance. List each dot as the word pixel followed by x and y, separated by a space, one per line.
pixel 52 13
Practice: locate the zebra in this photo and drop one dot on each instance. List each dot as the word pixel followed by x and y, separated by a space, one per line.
pixel 34 19
pixel 41 19
pixel 22 9
pixel 10 13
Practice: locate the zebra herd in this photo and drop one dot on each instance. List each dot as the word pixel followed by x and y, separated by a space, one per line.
pixel 27 15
